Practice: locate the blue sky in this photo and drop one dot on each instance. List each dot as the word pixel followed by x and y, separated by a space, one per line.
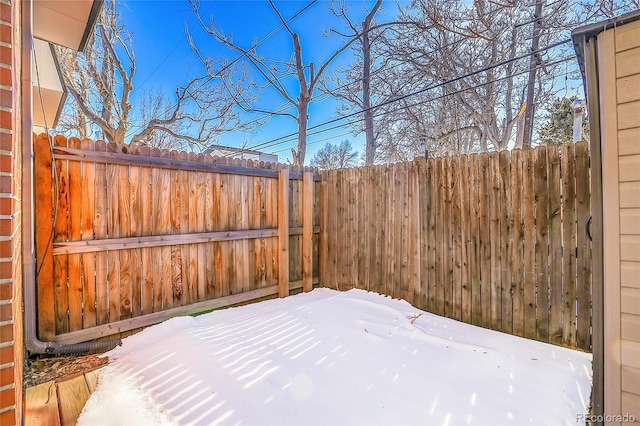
pixel 164 59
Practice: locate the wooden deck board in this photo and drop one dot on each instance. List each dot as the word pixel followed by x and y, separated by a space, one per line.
pixel 41 405
pixel 72 395
pixel 58 403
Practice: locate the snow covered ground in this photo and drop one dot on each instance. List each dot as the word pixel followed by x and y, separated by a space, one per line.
pixel 332 358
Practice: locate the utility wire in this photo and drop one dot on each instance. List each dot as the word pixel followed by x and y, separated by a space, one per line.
pixel 227 66
pixel 417 92
pixel 350 123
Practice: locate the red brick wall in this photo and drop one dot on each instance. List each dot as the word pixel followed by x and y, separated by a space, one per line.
pixel 11 343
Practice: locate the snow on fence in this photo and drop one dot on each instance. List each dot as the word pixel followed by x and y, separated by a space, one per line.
pixel 497 239
pixel 127 236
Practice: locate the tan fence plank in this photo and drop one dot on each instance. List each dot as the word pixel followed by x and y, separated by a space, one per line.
pixel 465 201
pixel 124 215
pixel 146 203
pixel 135 194
pixel 74 271
pixel 568 212
pixel 542 244
pixel 176 201
pixel 474 241
pixel 201 193
pixel 583 261
pixel 456 236
pixel 555 246
pixel 439 175
pixel 485 241
pixel 283 233
pixel 156 229
pixel 209 256
pixel 101 213
pixel 529 243
pixel 60 264
pixel 517 239
pixel 194 201
pixel 506 262
pixel 494 229
pixel 447 249
pixel 307 232
pixel 44 208
pixel 87 189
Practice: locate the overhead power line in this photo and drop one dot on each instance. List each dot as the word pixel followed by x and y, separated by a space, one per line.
pixel 291 139
pixel 417 92
pixel 227 66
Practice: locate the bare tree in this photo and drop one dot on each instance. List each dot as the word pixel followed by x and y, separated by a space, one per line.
pixel 419 85
pixel 100 82
pixel 275 72
pixel 333 156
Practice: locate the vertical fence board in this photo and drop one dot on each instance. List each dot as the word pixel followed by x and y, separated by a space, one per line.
pixel 485 242
pixel 157 228
pixel 307 231
pixel 194 190
pixel 124 215
pixel 447 237
pixel 529 243
pixel 517 239
pixel 474 241
pixel 506 261
pixel 200 227
pixel 440 236
pixel 60 263
pixel 176 196
pixel 568 243
pixel 44 231
pixel 146 203
pixel 74 232
pixel 496 252
pixel 423 216
pixel 402 188
pixel 465 200
pixel 183 214
pixel 432 182
pixel 583 261
pixel 555 246
pixel 88 260
pixel 542 245
pixel 391 237
pixel 135 195
pixel 101 214
pixel 456 236
pixel 113 231
pixel 209 227
pixel 283 232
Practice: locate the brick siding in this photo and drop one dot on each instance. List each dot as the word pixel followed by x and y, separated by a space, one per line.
pixel 11 342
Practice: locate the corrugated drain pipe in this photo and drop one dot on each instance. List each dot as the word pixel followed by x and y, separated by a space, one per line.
pixel 32 343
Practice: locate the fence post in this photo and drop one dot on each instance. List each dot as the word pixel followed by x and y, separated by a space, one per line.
pixel 283 233
pixel 307 231
pixel 43 183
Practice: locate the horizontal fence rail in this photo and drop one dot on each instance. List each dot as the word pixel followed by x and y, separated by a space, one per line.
pixel 128 236
pixel 495 239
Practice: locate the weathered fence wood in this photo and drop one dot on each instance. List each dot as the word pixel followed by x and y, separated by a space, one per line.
pixel 489 239
pixel 128 236
pixel 283 233
pixel 44 250
pixel 137 234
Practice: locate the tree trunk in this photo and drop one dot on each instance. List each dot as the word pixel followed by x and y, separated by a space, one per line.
pixel 370 150
pixel 303 111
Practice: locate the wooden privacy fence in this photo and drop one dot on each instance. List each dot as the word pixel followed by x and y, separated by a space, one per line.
pixel 127 236
pixel 497 240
